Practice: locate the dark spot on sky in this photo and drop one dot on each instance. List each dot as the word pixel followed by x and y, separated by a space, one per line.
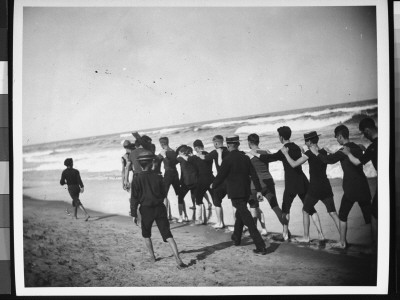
pixel 96 72
pixel 154 82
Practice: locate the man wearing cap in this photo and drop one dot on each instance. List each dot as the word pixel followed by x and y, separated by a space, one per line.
pixel 132 163
pixel 355 184
pixel 370 131
pixel 220 192
pixel 171 176
pixel 237 169
pixel 148 191
pixel 319 188
pixel 296 182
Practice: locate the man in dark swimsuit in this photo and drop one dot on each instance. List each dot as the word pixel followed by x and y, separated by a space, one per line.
pixel 370 131
pixel 267 185
pixel 124 161
pixel 296 183
pixel 355 184
pixel 319 188
pixel 171 176
pixel 220 192
pixel 205 178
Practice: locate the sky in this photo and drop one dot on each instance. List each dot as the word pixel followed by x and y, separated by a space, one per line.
pixel 94 71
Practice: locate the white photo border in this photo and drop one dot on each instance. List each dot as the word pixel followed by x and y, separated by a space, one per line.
pixel 383 157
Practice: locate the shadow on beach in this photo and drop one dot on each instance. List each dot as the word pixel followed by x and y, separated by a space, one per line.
pixel 209 250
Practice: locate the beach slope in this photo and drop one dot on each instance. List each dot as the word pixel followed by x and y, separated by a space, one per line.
pixel 109 251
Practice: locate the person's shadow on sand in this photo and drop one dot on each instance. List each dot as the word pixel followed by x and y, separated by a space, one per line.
pixel 96 218
pixel 208 250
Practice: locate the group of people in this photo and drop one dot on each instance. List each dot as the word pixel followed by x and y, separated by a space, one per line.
pixel 245 178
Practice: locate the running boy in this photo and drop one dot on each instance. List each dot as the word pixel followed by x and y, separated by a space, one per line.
pixel 72 178
pixel 148 191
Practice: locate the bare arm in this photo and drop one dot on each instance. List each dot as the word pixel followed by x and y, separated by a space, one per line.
pixel 62 180
pixel 127 168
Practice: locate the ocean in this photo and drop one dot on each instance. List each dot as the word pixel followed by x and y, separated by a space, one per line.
pixel 98 157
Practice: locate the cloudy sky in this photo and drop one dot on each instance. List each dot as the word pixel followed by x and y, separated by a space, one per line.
pixel 93 71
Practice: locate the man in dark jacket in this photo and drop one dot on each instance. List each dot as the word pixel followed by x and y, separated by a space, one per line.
pixel 355 184
pixel 237 169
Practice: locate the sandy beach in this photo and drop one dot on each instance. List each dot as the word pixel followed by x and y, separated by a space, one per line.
pixel 109 251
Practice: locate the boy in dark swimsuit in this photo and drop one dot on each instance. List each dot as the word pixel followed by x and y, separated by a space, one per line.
pixel 72 178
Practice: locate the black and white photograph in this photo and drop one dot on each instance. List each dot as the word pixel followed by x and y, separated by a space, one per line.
pixel 200 147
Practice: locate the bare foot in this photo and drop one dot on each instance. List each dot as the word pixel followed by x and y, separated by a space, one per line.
pixel 321 237
pixel 285 237
pixel 302 240
pixel 339 245
pixel 87 218
pixel 219 226
pixel 180 265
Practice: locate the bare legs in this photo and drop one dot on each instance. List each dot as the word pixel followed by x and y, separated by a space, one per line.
pixel 257 214
pixel 220 217
pixel 174 248
pixel 168 206
pixel 75 209
pixel 201 217
pixel 182 213
pixel 306 227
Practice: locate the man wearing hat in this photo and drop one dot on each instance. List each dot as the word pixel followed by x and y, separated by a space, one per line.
pixel 237 169
pixel 148 191
pixel 355 184
pixel 132 163
pixel 296 183
pixel 319 188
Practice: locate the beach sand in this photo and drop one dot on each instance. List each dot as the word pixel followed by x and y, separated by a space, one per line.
pixel 109 251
